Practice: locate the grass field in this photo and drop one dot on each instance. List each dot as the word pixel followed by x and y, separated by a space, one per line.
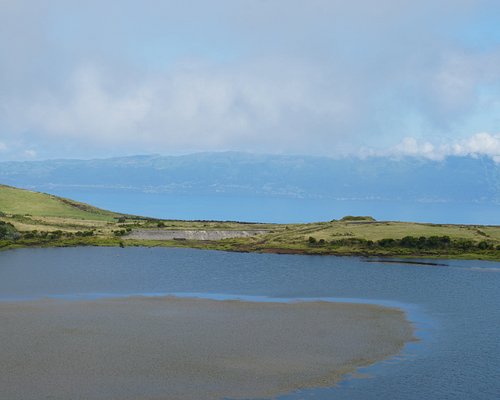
pixel 384 229
pixel 46 220
pixel 16 201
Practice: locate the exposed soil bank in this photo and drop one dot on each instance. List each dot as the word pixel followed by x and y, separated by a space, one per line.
pixel 163 234
pixel 172 348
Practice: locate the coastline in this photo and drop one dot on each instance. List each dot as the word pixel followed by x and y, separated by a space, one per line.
pixel 32 219
pixel 249 349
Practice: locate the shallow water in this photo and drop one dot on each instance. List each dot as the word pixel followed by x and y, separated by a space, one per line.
pixel 455 307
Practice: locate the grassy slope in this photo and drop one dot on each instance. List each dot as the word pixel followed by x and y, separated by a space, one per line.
pixel 24 202
pixel 384 229
pixel 294 239
pixel 29 211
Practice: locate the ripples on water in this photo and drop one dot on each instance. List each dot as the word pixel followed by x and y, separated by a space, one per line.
pixel 456 306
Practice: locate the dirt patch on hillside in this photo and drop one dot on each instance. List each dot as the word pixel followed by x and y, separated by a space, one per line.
pixel 163 234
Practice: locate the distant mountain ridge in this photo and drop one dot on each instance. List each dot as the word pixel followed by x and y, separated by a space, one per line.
pixel 455 179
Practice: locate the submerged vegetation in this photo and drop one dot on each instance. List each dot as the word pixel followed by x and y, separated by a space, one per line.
pixel 29 219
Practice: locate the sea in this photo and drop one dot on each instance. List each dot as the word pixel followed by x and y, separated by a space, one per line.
pixel 224 207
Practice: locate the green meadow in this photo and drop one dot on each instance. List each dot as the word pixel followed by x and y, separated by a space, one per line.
pixel 16 201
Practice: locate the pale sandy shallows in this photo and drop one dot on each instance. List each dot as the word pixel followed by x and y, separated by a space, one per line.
pixel 171 348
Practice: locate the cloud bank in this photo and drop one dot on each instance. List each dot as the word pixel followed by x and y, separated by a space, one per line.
pixel 478 145
pixel 318 77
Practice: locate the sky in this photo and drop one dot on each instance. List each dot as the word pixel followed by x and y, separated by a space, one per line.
pixel 319 77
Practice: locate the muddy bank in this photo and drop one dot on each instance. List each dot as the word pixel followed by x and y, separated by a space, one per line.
pixel 171 348
pixel 164 234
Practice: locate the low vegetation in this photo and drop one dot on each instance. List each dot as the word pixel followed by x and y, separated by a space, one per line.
pixel 29 219
pixel 16 201
pixel 8 232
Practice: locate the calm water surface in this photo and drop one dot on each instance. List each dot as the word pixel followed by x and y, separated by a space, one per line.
pixel 456 308
pixel 280 209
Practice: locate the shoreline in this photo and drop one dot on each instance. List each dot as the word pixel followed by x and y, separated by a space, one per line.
pixel 221 246
pixel 120 346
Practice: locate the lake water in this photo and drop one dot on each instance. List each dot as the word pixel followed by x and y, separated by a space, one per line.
pixel 456 308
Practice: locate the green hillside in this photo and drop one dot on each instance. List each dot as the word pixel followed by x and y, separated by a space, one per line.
pixel 14 201
pixel 31 219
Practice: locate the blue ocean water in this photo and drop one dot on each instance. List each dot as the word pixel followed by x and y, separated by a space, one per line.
pixel 455 307
pixel 280 209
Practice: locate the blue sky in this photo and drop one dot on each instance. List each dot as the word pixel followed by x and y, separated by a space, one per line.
pixel 322 77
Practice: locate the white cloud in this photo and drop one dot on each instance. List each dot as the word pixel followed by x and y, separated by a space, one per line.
pixel 326 77
pixel 479 144
pixel 194 108
pixel 29 154
pixel 88 111
pixel 3 146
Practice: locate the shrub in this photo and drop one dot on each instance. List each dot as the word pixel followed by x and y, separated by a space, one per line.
pixel 84 233
pixel 464 244
pixel 7 231
pixel 409 241
pixel 358 218
pixel 484 245
pixel 386 242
